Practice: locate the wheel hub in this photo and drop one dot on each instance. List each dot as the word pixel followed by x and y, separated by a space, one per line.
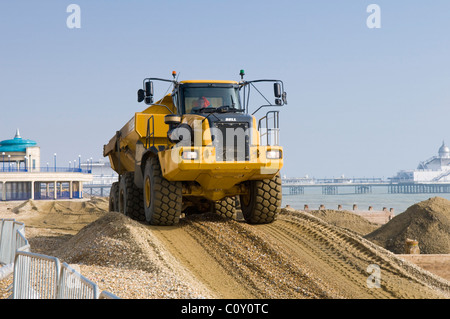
pixel 147 192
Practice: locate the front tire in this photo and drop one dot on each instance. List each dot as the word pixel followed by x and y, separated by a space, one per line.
pixel 162 198
pixel 263 203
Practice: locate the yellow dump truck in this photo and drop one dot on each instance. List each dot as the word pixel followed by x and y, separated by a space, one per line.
pixel 199 149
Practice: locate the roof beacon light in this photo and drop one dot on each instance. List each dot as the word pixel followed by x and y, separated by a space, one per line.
pixel 242 73
pixel 174 74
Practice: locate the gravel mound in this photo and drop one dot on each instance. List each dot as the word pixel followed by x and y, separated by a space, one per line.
pixel 428 222
pixel 118 244
pixel 346 220
pixel 112 240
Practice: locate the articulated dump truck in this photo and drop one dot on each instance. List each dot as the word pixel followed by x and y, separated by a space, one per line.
pixel 199 149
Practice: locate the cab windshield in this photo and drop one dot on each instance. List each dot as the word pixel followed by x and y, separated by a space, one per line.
pixel 198 99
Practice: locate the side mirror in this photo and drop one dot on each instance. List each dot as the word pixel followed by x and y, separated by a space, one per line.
pixel 277 90
pixel 148 92
pixel 278 102
pixel 140 95
pixel 149 88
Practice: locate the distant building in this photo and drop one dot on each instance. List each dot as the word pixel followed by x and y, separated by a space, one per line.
pixel 102 177
pixel 434 170
pixel 19 154
pixel 22 178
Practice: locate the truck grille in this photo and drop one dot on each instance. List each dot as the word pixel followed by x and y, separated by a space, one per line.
pixel 231 141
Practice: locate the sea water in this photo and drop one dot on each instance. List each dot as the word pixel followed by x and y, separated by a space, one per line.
pixel 378 199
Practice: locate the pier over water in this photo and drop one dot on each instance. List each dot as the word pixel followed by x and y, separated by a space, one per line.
pixel 335 186
pixel 431 176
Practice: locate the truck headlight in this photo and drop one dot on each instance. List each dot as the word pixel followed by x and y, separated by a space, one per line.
pixel 274 154
pixel 189 155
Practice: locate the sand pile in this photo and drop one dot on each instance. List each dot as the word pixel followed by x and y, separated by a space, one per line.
pixel 347 220
pixel 119 244
pixel 343 219
pixel 26 206
pixel 93 205
pixel 428 222
pixel 113 240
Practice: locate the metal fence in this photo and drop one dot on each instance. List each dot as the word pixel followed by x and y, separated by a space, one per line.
pixel 37 276
pixel 12 238
pixel 72 285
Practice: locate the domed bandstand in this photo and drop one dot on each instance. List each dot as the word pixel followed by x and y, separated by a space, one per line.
pixel 22 177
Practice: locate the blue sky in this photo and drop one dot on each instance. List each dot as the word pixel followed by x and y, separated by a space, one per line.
pixel 361 102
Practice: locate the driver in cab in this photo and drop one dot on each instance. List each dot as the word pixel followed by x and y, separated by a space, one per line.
pixel 202 102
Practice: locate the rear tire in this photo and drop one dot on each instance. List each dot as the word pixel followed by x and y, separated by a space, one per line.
pixel 263 203
pixel 162 198
pixel 130 198
pixel 226 207
pixel 114 197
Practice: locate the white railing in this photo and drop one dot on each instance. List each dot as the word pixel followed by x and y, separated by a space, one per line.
pixel 37 276
pixel 12 238
pixel 72 285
